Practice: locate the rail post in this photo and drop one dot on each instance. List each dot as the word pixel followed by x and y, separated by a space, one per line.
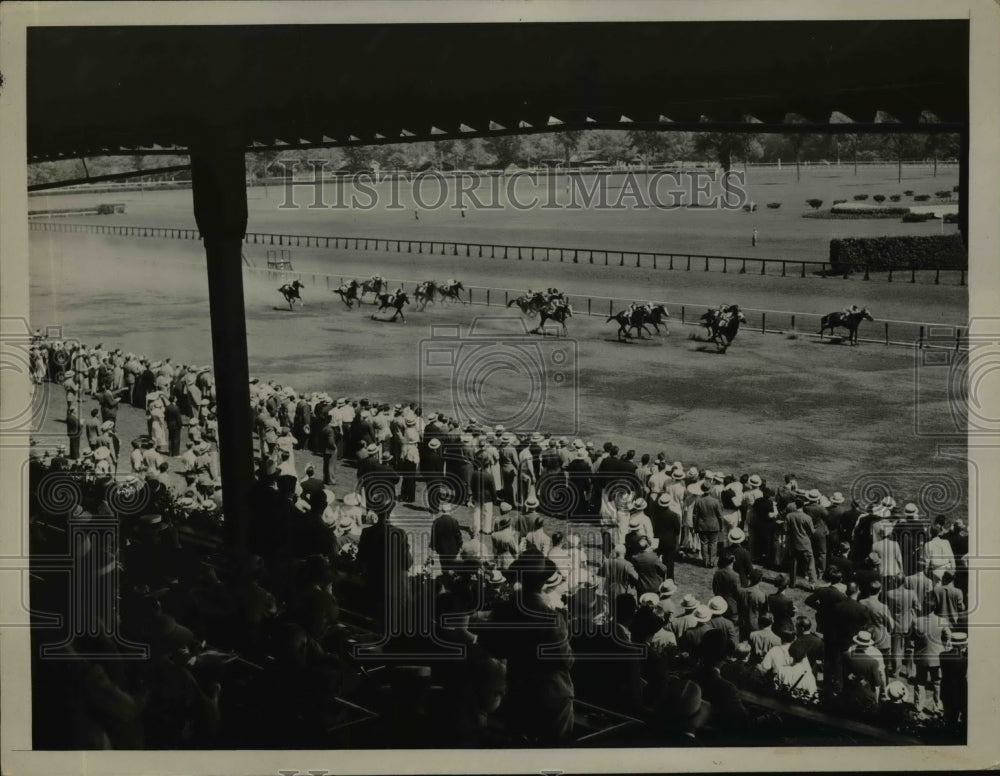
pixel 621 262
pixel 913 274
pixel 611 309
pixel 682 314
pixel 887 333
pixel 783 269
pixel 487 297
pixel 958 338
pixel 803 269
pixel 743 269
pixel 506 298
pixel 605 258
pixel 920 339
pixel 654 261
pixel 588 310
pixel 725 265
pixel 706 264
pixel 793 323
pixel 468 250
pixel 867 275
pixel 689 263
pixel 590 256
pixel 962 281
pixel 638 259
pixel 763 323
pixel 890 274
pixel 937 276
pixel 763 267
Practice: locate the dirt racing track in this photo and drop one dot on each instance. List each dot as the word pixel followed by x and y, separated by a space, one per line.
pixel 773 403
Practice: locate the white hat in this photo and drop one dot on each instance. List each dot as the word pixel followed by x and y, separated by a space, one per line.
pixel 650 599
pixel 754 481
pixel 813 496
pixel 702 613
pixel 910 510
pixel 531 503
pixel 717 605
pixel 667 588
pixel 837 498
pixel 895 690
pixel 737 536
pixel 677 474
pixel 352 500
pixel 638 505
pixel 505 507
pixel 101 453
pixel 864 639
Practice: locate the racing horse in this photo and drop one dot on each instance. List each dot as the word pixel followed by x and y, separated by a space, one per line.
pixel 376 284
pixel 451 289
pixel 723 324
pixel 424 293
pixel 396 299
pixel 850 321
pixel 530 303
pixel 291 292
pixel 555 311
pixel 626 320
pixel 348 294
pixel 637 317
pixel 656 314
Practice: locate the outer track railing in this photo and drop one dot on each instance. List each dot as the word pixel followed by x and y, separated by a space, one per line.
pixel 687 262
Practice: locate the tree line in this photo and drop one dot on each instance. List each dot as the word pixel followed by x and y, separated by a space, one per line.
pixel 570 147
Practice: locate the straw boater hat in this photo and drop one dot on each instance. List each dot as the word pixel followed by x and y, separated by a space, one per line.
pixel 895 690
pixel 649 599
pixel 737 536
pixel 702 613
pixel 959 639
pixel 837 498
pixel 665 499
pixel 505 507
pixel 677 474
pixel 434 444
pixel 689 602
pixel 717 605
pixel 755 481
pixel 531 503
pixel 667 588
pixel 911 510
pixel 101 453
pixel 352 500
pixel 864 639
pixel 813 496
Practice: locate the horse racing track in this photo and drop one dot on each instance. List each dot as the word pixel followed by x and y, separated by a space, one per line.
pixel 840 417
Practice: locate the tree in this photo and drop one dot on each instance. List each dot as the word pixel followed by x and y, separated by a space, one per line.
pixel 647 143
pixel 725 147
pixel 568 142
pixel 505 149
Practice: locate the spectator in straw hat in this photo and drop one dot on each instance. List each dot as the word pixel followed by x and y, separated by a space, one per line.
pixel 751 602
pixel 682 713
pixel 863 667
pixel 504 540
pixel 721 619
pixel 800 529
pixel 818 514
pixel 948 600
pixel 666 521
pixel 707 514
pixel 686 620
pixel 726 583
pixel 649 567
pixel 742 563
pixel 936 555
pixel 691 638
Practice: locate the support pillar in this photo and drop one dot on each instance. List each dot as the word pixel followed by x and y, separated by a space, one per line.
pixel 218 179
pixel 963 185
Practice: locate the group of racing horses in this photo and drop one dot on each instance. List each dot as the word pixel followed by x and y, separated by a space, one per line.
pixel 722 323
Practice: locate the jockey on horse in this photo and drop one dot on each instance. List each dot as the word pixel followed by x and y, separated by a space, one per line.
pixel 849 318
pixel 554 311
pixel 396 299
pixel 450 289
pixel 348 293
pixel 424 293
pixel 291 292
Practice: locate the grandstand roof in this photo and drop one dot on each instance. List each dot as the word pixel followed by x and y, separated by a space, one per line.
pixel 106 90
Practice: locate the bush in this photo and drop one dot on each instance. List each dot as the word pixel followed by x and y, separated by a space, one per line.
pixel 894 198
pixel 878 253
pixel 943 194
pixel 951 218
pixel 814 203
pixel 955 189
pixel 917 218
pixel 750 208
pixel 838 202
pixel 908 192
pixel 879 197
pixel 886 210
pixel 922 197
pixel 860 197
pixel 774 205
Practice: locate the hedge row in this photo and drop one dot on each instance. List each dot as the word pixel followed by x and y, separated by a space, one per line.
pixel 886 210
pixel 882 253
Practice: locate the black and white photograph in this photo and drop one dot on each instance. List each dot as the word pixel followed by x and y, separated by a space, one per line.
pixel 541 387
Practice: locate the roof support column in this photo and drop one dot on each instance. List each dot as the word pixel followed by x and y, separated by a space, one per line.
pixel 218 178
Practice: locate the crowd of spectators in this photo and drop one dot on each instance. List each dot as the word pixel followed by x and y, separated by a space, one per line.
pixel 469 586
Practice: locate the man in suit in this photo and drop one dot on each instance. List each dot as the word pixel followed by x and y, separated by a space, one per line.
pixel 174 422
pixel 729 716
pixel 931 636
pixel 666 519
pixel 904 608
pixel 328 449
pixel 818 514
pixel 579 475
pixel 726 584
pixel 446 537
pixel 649 567
pixel 707 512
pixel 949 602
pixel 799 527
pixel 92 428
pixel 310 484
pixel 825 597
pixel 505 542
pixel 751 602
pixel 835 517
pixel 742 563
pixel 73 432
pixel 780 605
pixel 848 618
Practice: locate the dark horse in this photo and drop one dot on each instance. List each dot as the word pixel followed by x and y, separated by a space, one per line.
pixel 424 293
pixel 530 304
pixel 374 285
pixel 556 311
pixel 291 292
pixel 348 294
pixel 850 321
pixel 451 290
pixel 723 325
pixel 637 318
pixel 396 299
